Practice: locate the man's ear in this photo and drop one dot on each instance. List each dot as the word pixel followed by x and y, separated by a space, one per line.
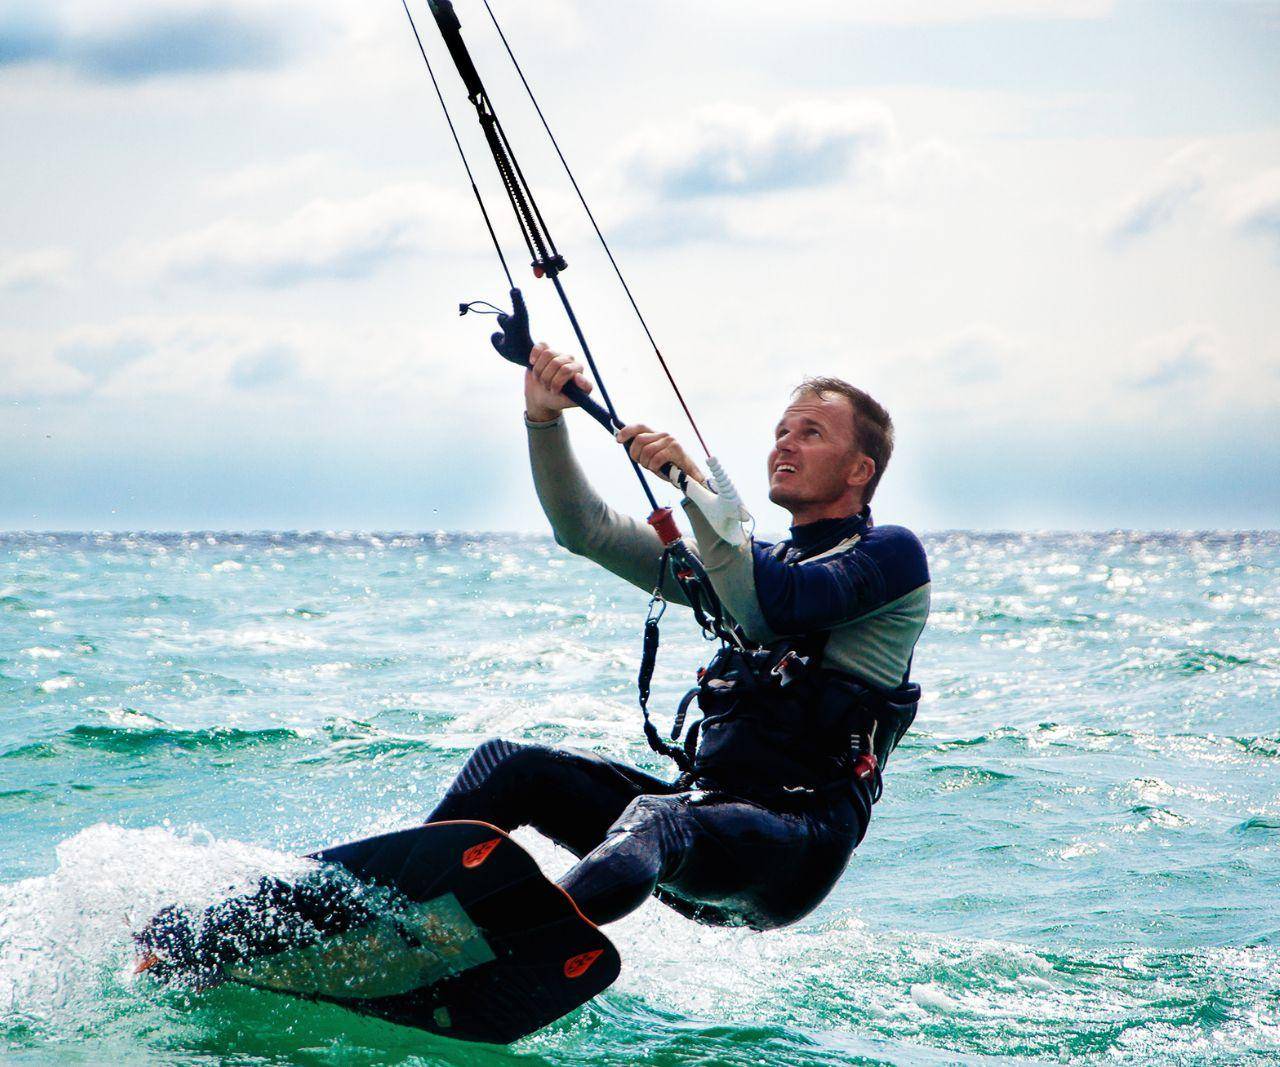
pixel 861 472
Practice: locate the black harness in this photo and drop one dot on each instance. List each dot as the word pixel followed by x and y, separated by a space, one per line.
pixel 773 722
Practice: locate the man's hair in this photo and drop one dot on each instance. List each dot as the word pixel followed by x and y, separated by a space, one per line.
pixel 872 427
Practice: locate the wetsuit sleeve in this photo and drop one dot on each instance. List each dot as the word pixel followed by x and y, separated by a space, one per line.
pixel 732 575
pixel 879 569
pixel 771 597
pixel 583 523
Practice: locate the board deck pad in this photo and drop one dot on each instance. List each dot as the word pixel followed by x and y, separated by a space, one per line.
pixel 415 945
pixel 450 927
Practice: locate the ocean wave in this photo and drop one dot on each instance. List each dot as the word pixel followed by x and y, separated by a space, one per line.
pixel 1154 815
pixel 1259 825
pixel 1212 748
pixel 950 778
pixel 304 611
pixel 123 740
pixel 1267 747
pixel 62 680
pixel 360 742
pixel 973 997
pixel 1190 661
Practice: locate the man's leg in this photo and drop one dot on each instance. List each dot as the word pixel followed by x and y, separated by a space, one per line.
pixel 645 845
pixel 723 860
pixel 714 858
pixel 569 796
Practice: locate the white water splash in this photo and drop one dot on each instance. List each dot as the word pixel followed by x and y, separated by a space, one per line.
pixel 66 937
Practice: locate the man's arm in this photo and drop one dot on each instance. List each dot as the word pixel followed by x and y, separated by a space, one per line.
pixel 886 564
pixel 582 522
pixel 770 597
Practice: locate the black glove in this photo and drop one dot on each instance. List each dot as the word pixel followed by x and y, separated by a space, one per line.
pixel 513 341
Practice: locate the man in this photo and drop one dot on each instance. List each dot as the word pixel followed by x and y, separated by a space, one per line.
pixel 796 724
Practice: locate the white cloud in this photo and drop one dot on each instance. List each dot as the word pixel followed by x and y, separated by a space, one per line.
pixel 263 178
pixel 667 226
pixel 140 40
pixel 823 164
pixel 268 368
pixel 1198 370
pixel 1186 357
pixel 43 268
pixel 979 356
pixel 1164 196
pixel 26 376
pixel 1192 176
pixel 979 368
pixel 729 150
pixel 193 361
pixel 985 369
pixel 98 352
pixel 917 12
pixel 1253 207
pixel 326 238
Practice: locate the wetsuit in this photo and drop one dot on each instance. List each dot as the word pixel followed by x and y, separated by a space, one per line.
pixel 763 826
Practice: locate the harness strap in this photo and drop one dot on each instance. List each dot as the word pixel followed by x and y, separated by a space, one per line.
pixel 682 712
pixel 648 661
pixel 694 582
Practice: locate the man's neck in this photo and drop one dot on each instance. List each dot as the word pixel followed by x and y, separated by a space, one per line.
pixel 845 508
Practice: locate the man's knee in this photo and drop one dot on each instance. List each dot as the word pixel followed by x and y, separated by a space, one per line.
pixel 501 760
pixel 492 752
pixel 652 817
pixel 654 826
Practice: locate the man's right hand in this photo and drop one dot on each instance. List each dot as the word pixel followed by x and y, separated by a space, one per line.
pixel 547 375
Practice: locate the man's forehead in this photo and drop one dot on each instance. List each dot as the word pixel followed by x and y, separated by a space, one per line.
pixel 822 408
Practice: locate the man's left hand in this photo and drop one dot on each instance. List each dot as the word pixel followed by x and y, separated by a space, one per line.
pixel 653 450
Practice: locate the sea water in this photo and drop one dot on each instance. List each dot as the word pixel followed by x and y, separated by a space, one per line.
pixel 1076 860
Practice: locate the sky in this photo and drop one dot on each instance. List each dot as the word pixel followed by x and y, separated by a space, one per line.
pixel 1044 233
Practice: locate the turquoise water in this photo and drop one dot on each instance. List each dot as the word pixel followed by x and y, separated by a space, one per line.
pixel 1077 859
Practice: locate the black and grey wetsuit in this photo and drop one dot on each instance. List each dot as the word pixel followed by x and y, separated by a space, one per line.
pixel 764 826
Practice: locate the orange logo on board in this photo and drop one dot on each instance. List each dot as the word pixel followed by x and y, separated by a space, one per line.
pixel 577 966
pixel 477 854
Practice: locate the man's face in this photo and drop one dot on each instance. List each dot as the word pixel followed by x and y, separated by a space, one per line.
pixel 813 451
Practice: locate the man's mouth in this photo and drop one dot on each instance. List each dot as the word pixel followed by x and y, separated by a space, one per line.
pixel 783 468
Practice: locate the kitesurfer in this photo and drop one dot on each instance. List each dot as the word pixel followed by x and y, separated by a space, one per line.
pixel 795 730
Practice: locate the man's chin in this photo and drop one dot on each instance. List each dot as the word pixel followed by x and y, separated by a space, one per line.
pixel 779 495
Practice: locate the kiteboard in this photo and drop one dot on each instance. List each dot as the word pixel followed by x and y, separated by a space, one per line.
pixel 450 927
